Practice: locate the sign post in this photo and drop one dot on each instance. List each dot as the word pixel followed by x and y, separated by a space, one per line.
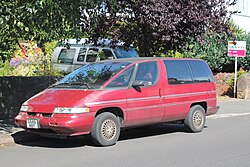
pixel 236 49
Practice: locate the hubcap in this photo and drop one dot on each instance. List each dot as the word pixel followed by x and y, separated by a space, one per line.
pixel 108 129
pixel 198 119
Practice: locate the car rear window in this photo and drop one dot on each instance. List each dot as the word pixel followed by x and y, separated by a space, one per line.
pixel 200 71
pixel 187 71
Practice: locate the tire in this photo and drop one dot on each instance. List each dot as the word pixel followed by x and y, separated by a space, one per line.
pixel 106 129
pixel 196 119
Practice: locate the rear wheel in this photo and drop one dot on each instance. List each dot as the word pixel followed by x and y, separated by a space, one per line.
pixel 196 119
pixel 106 129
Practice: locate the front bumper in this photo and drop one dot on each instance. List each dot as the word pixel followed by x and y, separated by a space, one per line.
pixel 58 125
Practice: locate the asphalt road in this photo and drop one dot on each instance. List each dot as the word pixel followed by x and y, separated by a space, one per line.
pixel 225 142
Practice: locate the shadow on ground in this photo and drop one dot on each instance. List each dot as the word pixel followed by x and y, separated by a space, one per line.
pixel 82 141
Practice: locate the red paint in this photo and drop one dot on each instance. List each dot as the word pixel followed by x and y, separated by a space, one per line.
pixel 157 103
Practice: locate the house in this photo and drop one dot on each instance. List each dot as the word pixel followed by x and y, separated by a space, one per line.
pixel 242 19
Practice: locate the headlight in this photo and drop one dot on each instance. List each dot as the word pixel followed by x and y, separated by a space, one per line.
pixel 63 110
pixel 24 108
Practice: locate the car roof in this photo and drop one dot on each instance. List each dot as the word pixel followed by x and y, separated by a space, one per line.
pixel 144 59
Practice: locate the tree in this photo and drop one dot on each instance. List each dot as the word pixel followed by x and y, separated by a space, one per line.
pixel 149 24
pixel 37 20
pixel 213 50
pixel 163 24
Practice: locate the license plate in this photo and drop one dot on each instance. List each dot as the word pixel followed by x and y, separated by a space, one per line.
pixel 32 123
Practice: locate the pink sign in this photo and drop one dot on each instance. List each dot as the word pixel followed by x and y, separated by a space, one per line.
pixel 237 48
pixel 238 53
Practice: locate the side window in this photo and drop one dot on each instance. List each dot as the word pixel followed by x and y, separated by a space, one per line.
pixel 66 56
pixel 147 72
pixel 123 79
pixel 81 55
pixel 92 55
pixel 122 52
pixel 106 54
pixel 177 72
pixel 200 71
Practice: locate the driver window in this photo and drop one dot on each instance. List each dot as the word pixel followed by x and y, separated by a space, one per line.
pixel 123 79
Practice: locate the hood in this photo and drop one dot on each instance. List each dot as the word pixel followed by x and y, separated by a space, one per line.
pixel 48 99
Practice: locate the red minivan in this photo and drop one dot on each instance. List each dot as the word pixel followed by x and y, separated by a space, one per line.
pixel 103 97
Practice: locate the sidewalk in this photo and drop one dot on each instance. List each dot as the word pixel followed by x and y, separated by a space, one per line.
pixel 11 134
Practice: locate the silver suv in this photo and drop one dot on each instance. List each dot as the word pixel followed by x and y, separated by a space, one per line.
pixel 68 59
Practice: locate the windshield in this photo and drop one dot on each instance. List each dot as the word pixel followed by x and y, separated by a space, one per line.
pixel 121 52
pixel 92 76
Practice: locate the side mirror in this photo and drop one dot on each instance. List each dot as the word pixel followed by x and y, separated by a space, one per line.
pixel 138 83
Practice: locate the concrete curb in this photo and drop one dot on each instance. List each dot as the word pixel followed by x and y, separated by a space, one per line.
pixel 6 140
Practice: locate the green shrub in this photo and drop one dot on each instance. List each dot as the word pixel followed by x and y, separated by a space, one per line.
pixel 6 69
pixel 214 51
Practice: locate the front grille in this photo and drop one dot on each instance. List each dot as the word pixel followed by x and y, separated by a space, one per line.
pixel 32 113
pixel 47 115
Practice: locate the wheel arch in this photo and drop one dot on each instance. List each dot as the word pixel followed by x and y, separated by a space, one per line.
pixel 114 110
pixel 202 104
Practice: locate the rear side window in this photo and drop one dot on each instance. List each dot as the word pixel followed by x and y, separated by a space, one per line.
pixel 66 56
pixel 106 54
pixel 92 55
pixel 178 72
pixel 200 71
pixel 81 55
pixel 191 71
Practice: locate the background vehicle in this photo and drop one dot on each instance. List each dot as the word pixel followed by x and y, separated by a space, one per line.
pixel 67 59
pixel 103 97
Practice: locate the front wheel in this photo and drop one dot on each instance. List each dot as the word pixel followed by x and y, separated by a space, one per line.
pixel 196 119
pixel 106 129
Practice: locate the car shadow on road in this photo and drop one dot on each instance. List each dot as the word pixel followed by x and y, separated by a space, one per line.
pixel 82 141
pixel 34 140
pixel 155 130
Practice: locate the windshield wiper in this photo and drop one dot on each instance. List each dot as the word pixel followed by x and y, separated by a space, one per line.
pixel 80 84
pixel 68 84
pixel 60 84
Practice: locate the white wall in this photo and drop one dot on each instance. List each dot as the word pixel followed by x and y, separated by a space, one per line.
pixel 242 21
pixel 243 18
